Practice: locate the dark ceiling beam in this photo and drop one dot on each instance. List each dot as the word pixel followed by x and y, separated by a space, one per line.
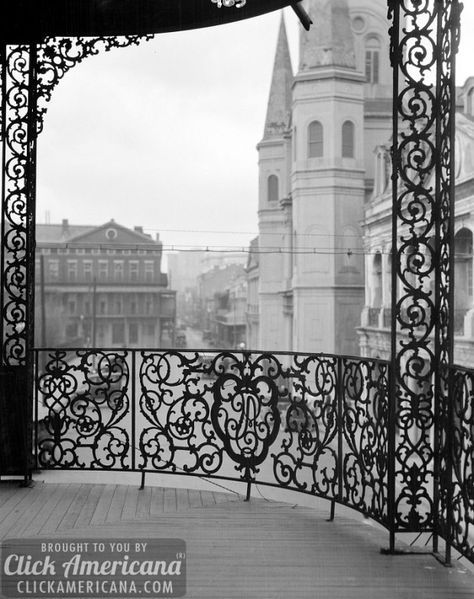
pixel 29 21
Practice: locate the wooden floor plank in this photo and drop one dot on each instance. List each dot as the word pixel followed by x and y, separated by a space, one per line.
pixel 143 503
pixel 195 498
pixel 244 550
pixel 24 513
pixel 130 503
pixel 11 503
pixel 114 513
pixel 157 501
pixel 50 505
pixel 72 513
pixel 89 507
pixel 103 505
pixel 67 497
pixel 169 504
pixel 182 500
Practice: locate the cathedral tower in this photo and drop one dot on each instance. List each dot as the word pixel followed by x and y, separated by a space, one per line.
pixel 274 150
pixel 316 163
pixel 327 183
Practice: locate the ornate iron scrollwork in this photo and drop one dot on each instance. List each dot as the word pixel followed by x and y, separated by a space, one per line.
pixel 29 75
pixel 88 415
pixel 422 50
pixel 313 423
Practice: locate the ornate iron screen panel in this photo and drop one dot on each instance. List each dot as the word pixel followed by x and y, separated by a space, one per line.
pixel 424 38
pixel 313 423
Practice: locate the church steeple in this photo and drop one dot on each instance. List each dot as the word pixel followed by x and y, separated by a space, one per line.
pixel 329 41
pixel 279 101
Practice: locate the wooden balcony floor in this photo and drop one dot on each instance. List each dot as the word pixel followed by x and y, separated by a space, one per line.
pixel 261 549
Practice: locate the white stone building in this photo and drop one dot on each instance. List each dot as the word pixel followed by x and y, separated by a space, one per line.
pixel 376 316
pixel 316 170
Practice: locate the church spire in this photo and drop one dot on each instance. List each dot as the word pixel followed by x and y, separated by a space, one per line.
pixel 329 42
pixel 279 101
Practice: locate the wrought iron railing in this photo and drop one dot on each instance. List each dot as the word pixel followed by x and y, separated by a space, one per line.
pixel 456 437
pixel 314 423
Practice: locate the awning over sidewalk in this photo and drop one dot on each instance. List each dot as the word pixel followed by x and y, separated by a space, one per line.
pixel 25 21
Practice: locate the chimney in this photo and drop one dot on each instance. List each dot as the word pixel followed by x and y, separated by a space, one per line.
pixel 65 227
pixel 138 229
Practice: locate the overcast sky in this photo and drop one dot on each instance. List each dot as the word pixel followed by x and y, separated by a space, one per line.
pixel 163 135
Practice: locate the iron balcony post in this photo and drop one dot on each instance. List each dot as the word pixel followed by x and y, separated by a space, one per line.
pixel 392 399
pixel 133 389
pixel 449 453
pixel 340 428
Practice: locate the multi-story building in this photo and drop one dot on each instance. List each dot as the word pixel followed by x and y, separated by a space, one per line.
pixel 223 302
pixel 184 271
pixel 102 287
pixel 252 309
pixel 316 171
pixel 375 330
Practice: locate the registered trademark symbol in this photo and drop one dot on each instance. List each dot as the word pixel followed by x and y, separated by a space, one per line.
pixel 180 556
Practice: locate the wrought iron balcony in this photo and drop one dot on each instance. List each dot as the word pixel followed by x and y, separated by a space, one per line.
pixel 319 424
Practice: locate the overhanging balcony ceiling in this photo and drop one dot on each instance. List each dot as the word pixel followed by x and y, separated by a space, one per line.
pixel 25 21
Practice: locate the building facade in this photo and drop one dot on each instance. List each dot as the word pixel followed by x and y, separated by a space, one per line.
pixel 222 293
pixel 316 171
pixel 375 329
pixel 185 270
pixel 101 287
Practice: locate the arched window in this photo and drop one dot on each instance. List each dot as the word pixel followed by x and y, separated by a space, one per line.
pixel 470 102
pixel 272 190
pixel 348 139
pixel 377 281
pixel 315 140
pixel 463 245
pixel 372 60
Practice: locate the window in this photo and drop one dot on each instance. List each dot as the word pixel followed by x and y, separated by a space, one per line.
pixel 294 144
pixel 470 102
pixel 133 332
pixel 149 271
pixel 150 330
pixel 272 191
pixel 348 139
pixel 103 270
pixel 87 270
pixel 133 306
pixel 102 307
pixel 148 305
pixel 72 270
pixel 133 270
pixel 118 270
pixel 53 268
pixel 372 60
pixel 71 331
pixel 71 306
pixel 315 140
pixel 118 306
pixel 118 332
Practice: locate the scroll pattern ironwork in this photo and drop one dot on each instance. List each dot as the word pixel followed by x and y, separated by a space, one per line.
pixel 365 423
pixel 18 177
pixel 85 415
pixel 29 75
pixel 422 48
pixel 56 56
pixel 457 494
pixel 312 423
